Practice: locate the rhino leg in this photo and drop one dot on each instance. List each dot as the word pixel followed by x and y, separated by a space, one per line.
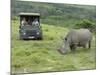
pixel 84 46
pixel 89 44
pixel 73 47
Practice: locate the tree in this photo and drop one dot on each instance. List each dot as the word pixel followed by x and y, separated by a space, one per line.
pixel 86 24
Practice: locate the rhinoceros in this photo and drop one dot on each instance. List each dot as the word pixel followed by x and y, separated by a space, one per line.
pixel 76 38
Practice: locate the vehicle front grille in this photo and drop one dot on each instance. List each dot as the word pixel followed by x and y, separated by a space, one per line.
pixel 31 33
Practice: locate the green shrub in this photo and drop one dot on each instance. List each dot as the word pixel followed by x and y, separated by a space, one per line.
pixel 86 24
pixel 14 18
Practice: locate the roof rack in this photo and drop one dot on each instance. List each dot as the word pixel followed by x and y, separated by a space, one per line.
pixel 29 14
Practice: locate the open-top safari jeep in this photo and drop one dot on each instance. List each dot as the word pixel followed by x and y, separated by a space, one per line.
pixel 30 26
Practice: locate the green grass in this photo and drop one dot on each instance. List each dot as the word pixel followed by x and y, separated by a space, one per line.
pixel 42 56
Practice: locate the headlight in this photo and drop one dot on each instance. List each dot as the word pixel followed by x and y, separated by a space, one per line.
pixel 37 33
pixel 24 33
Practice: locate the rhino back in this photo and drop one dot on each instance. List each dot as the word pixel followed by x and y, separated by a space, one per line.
pixel 84 36
pixel 81 36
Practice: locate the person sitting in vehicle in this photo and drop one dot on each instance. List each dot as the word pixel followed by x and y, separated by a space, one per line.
pixel 24 22
pixel 35 22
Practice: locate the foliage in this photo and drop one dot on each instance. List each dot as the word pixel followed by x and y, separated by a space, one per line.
pixel 86 24
pixel 66 15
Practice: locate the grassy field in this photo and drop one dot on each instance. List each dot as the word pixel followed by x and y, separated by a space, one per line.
pixel 42 56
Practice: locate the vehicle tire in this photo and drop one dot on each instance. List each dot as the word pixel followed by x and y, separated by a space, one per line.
pixel 40 38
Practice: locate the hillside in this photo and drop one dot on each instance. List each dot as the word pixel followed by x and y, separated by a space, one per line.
pixel 55 14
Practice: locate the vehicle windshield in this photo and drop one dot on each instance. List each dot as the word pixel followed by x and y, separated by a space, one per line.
pixel 29 23
pixel 29 20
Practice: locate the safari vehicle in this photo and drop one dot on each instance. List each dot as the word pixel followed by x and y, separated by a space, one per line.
pixel 30 26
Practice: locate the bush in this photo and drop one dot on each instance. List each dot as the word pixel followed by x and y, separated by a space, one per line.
pixel 86 24
pixel 14 18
